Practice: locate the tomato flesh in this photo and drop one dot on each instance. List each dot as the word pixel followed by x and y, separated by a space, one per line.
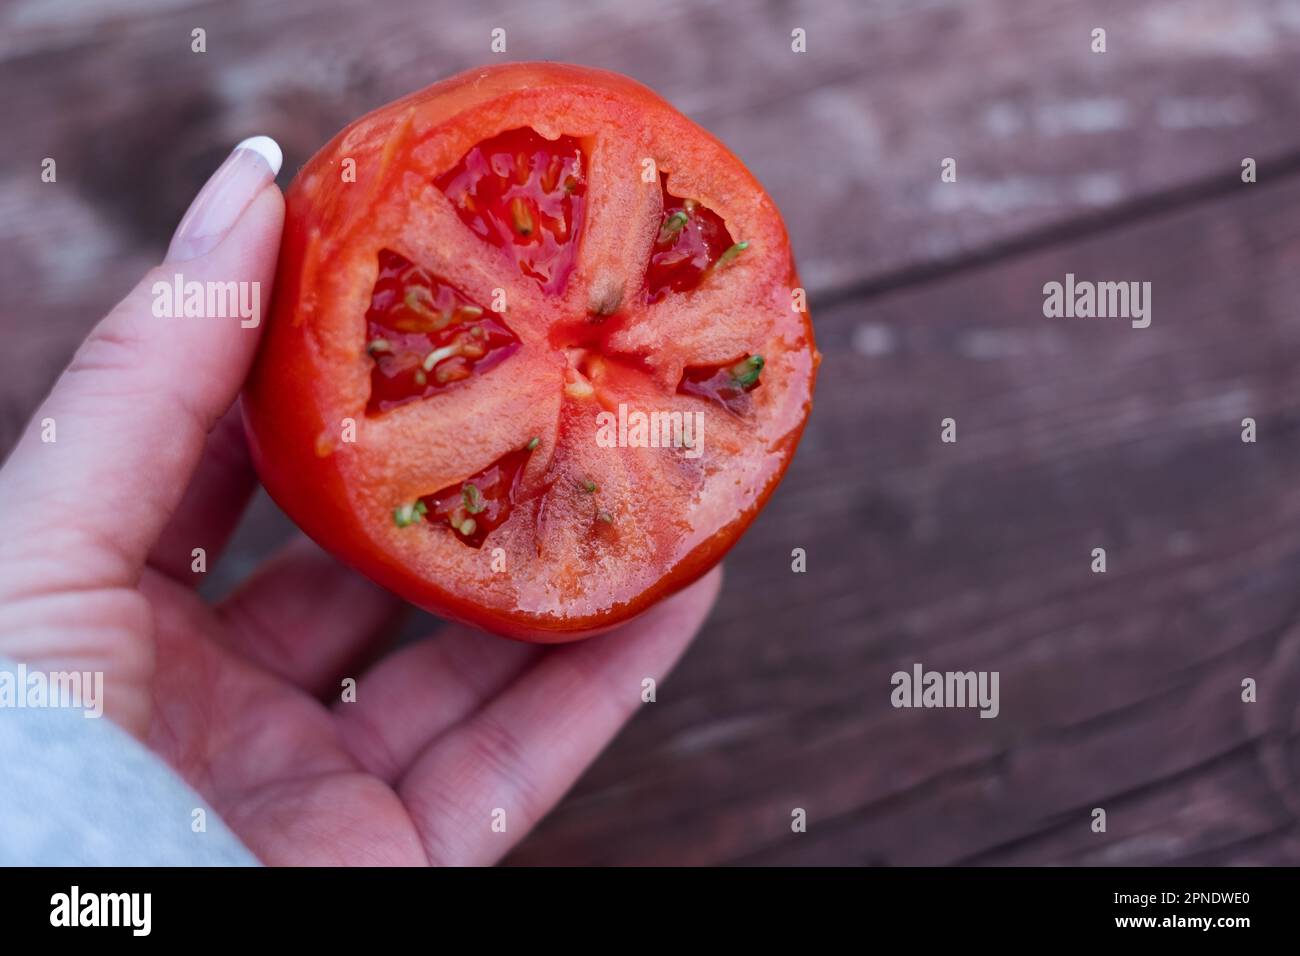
pixel 691 239
pixel 424 335
pixel 473 508
pixel 524 194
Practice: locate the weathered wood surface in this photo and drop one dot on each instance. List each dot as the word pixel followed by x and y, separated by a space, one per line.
pixel 1118 690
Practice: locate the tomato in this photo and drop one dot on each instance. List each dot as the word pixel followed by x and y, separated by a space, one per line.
pixel 537 353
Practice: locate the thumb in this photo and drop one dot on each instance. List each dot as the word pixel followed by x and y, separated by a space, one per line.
pixel 106 458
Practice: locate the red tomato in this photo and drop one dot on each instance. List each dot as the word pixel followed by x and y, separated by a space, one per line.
pixel 488 292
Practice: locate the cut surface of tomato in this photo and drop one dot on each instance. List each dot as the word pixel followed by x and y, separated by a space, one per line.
pixel 511 377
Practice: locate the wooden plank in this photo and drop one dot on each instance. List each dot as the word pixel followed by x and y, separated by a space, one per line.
pixel 1119 690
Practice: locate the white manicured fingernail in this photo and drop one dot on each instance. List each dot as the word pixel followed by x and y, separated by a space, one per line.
pixel 223 199
pixel 269 150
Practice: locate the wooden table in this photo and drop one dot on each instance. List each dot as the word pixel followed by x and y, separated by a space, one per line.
pixel 1119 690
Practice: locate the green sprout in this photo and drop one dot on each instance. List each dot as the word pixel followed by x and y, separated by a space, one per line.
pixel 437 355
pixel 408 514
pixel 730 254
pixel 673 225
pixel 744 374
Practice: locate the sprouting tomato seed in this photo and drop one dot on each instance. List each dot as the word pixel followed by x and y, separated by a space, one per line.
pixel 437 355
pixel 745 373
pixel 673 225
pixel 407 514
pixel 731 253
pixel 521 216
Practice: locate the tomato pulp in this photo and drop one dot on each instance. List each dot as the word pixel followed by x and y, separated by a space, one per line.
pixel 475 282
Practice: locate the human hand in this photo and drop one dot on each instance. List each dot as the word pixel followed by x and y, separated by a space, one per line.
pixel 97 531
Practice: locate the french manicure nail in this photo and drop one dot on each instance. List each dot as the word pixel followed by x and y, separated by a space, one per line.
pixel 223 199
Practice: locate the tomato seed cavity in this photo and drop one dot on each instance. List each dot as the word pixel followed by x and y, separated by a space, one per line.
pixel 692 239
pixel 424 335
pixel 525 194
pixel 473 508
pixel 728 384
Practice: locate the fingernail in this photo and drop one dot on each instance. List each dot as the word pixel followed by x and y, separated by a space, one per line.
pixel 224 197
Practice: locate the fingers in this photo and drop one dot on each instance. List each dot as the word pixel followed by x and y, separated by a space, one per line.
pixel 108 455
pixel 309 619
pixel 514 758
pixel 212 504
pixel 416 693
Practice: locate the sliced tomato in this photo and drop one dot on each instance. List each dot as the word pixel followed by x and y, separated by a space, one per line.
pixel 537 354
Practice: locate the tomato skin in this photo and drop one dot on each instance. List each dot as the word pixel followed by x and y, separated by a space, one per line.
pixel 290 410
